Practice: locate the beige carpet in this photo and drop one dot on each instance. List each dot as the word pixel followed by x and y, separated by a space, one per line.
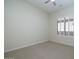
pixel 47 50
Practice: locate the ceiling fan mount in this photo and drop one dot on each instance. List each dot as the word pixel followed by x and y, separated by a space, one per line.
pixel 53 1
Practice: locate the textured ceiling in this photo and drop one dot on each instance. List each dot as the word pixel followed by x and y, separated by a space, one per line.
pixel 49 7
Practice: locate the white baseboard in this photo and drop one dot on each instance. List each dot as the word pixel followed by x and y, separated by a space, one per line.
pixel 34 43
pixel 62 43
pixel 30 44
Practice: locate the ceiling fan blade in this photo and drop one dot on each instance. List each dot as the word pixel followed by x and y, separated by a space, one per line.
pixel 47 1
pixel 54 3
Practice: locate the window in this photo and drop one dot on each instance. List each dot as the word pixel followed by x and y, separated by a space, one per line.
pixel 65 26
pixel 61 26
pixel 71 27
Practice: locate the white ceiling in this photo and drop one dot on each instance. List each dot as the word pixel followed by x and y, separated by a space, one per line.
pixel 49 7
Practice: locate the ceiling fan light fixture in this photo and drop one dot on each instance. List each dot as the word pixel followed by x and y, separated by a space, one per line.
pixel 52 0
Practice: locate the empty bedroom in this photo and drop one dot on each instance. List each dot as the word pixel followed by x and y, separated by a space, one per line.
pixel 38 29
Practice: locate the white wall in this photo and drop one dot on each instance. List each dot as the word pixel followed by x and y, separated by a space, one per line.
pixel 66 12
pixel 24 24
pixel 27 25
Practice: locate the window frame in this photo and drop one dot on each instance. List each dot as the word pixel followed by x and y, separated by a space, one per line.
pixel 66 33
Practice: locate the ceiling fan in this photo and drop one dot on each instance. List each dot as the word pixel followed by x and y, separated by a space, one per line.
pixel 53 1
